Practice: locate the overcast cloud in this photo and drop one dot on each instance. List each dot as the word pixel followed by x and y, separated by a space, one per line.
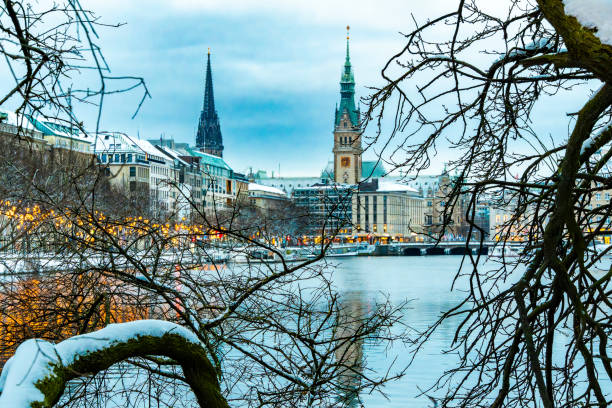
pixel 276 68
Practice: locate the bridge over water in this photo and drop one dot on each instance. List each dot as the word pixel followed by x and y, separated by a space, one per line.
pixel 444 248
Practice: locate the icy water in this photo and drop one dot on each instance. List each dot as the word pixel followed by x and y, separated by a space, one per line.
pixel 427 280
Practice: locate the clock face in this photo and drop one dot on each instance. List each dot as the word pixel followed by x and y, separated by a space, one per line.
pixel 345 161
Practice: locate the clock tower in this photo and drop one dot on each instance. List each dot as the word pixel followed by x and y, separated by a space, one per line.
pixel 347 128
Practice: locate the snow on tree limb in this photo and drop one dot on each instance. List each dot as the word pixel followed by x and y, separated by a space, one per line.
pixel 593 14
pixel 38 372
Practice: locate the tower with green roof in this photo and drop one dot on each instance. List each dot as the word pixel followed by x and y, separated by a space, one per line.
pixel 347 128
pixel 208 138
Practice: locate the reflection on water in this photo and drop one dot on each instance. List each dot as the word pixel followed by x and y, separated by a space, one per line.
pixel 426 280
pixel 349 353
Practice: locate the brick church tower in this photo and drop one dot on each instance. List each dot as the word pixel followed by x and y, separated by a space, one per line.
pixel 347 128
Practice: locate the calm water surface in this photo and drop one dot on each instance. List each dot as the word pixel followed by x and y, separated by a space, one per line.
pixel 425 279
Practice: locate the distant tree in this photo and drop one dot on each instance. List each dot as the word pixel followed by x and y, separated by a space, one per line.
pixel 472 80
pixel 48 49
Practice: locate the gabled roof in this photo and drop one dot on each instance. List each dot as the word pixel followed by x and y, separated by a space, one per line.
pixel 149 149
pixel 172 154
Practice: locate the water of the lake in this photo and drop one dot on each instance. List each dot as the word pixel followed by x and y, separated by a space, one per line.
pixel 427 280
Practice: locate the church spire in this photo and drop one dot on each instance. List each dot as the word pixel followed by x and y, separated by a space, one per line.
pixel 209 97
pixel 347 89
pixel 208 138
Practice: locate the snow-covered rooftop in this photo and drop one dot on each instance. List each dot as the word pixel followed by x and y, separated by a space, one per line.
pixel 389 186
pixel 148 148
pixel 17 120
pixel 259 187
pixel 60 128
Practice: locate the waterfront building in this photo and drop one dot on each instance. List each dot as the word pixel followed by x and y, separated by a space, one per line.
pixel 19 129
pixel 347 129
pixel 286 184
pixel 163 179
pixel 242 187
pixel 327 207
pixel 62 136
pixel 600 220
pixel 208 137
pixel 385 210
pixel 64 142
pixel 124 162
pixel 218 183
pixel 267 198
pixel 187 184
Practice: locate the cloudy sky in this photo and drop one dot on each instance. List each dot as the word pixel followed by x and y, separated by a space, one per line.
pixel 276 68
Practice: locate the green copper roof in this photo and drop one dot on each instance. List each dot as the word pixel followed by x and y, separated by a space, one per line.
pixel 369 169
pixel 372 169
pixel 347 92
pixel 209 159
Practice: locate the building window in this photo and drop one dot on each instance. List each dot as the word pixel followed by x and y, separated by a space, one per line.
pixel 374 211
pixel 132 171
pixel 598 196
pixel 367 212
pixel 607 196
pixel 129 157
pixel 385 212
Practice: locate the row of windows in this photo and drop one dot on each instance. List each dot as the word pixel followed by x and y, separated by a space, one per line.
pixel 121 158
pixel 346 140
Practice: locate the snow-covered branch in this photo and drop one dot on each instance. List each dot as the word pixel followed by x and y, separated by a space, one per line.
pixel 38 372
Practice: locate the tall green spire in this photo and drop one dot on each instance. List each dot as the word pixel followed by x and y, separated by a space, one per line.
pixel 347 90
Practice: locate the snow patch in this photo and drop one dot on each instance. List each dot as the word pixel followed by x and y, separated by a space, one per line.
pixel 591 14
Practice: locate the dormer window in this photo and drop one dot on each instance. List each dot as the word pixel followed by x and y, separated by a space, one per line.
pixel 345 124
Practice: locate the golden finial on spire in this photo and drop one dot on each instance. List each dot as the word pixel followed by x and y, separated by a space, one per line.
pixel 208 50
pixel 347 31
